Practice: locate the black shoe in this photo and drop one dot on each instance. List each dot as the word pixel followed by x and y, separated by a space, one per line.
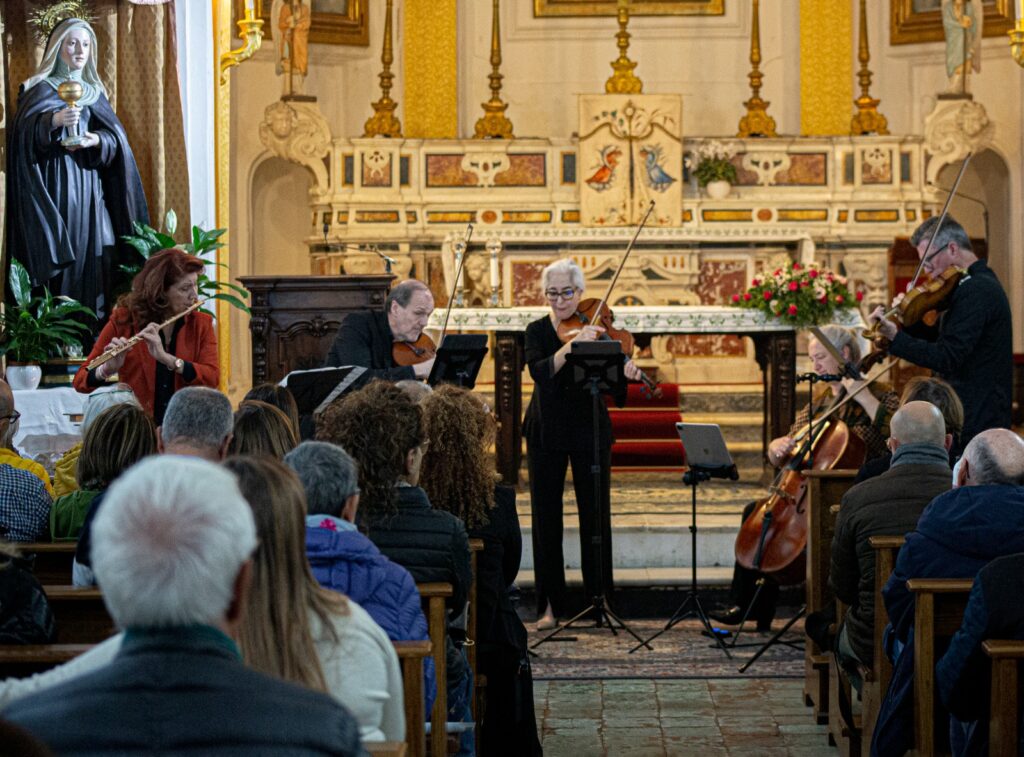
pixel 733 616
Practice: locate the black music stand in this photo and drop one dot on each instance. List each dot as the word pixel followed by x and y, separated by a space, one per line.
pixel 714 462
pixel 317 388
pixel 458 360
pixel 597 366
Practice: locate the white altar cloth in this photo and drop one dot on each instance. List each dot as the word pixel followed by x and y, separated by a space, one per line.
pixel 46 425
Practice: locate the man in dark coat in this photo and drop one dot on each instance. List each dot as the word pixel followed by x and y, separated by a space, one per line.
pixel 367 339
pixel 887 505
pixel 69 206
pixel 172 548
pixel 974 347
pixel 959 533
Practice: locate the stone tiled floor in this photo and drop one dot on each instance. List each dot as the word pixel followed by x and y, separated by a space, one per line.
pixel 647 718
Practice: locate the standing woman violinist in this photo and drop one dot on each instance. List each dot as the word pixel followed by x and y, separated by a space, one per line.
pixel 182 353
pixel 867 416
pixel 559 432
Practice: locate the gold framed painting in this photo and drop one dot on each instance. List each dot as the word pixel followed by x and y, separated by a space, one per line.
pixel 333 22
pixel 914 21
pixel 542 8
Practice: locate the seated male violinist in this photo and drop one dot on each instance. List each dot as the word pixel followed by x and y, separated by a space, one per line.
pixel 866 416
pixel 368 338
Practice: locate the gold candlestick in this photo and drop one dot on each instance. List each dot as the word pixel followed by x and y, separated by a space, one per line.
pixel 71 92
pixel 494 124
pixel 383 122
pixel 623 81
pixel 757 122
pixel 867 120
pixel 250 30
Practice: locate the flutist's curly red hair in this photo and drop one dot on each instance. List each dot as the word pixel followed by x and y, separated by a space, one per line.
pixel 147 302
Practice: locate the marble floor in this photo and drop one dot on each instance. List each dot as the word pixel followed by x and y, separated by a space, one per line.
pixel 706 717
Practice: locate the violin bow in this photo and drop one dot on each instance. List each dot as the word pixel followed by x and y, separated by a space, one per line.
pixel 455 283
pixel 871 378
pixel 611 285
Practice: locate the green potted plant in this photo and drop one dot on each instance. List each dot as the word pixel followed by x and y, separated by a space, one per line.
pixel 714 169
pixel 147 241
pixel 36 328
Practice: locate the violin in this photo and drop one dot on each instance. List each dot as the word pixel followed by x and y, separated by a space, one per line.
pixel 592 311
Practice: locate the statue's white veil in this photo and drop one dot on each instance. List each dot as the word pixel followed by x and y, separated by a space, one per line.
pixel 52 69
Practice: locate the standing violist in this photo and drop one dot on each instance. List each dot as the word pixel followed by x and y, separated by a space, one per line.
pixel 558 433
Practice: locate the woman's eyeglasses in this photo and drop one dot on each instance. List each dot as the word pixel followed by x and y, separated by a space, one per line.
pixel 559 294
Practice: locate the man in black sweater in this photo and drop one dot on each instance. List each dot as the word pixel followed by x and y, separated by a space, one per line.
pixel 367 339
pixel 974 347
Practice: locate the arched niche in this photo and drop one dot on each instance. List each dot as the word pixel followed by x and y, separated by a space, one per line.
pixel 280 218
pixel 982 206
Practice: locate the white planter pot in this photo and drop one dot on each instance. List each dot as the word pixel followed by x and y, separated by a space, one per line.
pixel 718 190
pixel 24 376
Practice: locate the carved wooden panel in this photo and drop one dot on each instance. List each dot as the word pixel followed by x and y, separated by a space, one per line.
pixel 295 318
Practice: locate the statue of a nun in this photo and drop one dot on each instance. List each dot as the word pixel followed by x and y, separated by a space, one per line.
pixel 69 206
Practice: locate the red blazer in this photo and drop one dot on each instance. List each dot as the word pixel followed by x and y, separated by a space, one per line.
pixel 196 344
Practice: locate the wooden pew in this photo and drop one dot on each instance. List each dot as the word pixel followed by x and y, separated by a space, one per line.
pixel 387 748
pixel 411 655
pixel 938 612
pixel 476 546
pixel 433 596
pixel 824 489
pixel 51 561
pixel 844 726
pixel 876 678
pixel 81 616
pixel 21 661
pixel 1004 714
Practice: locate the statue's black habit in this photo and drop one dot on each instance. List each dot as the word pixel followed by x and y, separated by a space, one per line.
pixel 68 210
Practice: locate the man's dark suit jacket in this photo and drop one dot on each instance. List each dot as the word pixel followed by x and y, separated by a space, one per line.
pixel 184 691
pixel 365 339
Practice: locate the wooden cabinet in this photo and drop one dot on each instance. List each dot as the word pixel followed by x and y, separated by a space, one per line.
pixel 295 318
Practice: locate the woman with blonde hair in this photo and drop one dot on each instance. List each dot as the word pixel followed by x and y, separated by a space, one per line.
pixel 459 477
pixel 298 631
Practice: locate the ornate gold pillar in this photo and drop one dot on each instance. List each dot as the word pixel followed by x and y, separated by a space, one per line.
pixel 826 67
pixel 430 100
pixel 222 168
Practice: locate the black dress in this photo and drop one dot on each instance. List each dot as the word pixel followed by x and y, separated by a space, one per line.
pixel 559 431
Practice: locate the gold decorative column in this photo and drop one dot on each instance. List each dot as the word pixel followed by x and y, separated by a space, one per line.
pixel 494 124
pixel 222 169
pixel 383 122
pixel 623 81
pixel 1017 35
pixel 867 120
pixel 429 69
pixel 757 122
pixel 826 67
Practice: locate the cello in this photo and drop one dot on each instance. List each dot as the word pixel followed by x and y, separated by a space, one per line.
pixel 773 538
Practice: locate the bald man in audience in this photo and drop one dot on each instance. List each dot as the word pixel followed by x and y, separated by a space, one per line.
pixel 174 545
pixel 25 498
pixel 889 505
pixel 960 532
pixel 198 423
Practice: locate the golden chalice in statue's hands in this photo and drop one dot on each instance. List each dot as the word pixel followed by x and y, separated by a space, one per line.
pixel 71 92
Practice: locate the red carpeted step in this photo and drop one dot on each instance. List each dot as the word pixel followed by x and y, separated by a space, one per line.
pixel 648 454
pixel 645 424
pixel 645 430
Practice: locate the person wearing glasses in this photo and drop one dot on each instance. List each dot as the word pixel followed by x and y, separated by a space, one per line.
pixel 558 431
pixel 25 491
pixel 973 349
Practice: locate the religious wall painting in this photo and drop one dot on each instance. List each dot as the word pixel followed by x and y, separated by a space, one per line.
pixel 876 166
pixel 914 21
pixel 803 169
pixel 458 170
pixel 549 8
pixel 376 169
pixel 630 153
pixel 332 22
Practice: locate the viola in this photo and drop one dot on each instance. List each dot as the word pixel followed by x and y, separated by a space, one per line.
pixel 411 353
pixel 592 311
pixel 773 538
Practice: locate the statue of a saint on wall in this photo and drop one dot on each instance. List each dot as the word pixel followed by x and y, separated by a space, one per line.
pixel 73 188
pixel 962 23
pixel 291 21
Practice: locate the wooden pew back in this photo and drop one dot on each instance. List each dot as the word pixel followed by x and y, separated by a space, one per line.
pixel 433 596
pixel 81 616
pixel 1004 714
pixel 21 661
pixel 51 561
pixel 411 655
pixel 938 612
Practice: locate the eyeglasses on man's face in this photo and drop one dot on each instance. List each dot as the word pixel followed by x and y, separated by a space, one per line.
pixel 12 416
pixel 560 294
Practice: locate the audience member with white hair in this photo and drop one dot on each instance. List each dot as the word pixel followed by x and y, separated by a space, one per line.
pixel 25 491
pixel 65 476
pixel 173 549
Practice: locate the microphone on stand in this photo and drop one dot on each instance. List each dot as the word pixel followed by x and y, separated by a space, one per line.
pixel 388 261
